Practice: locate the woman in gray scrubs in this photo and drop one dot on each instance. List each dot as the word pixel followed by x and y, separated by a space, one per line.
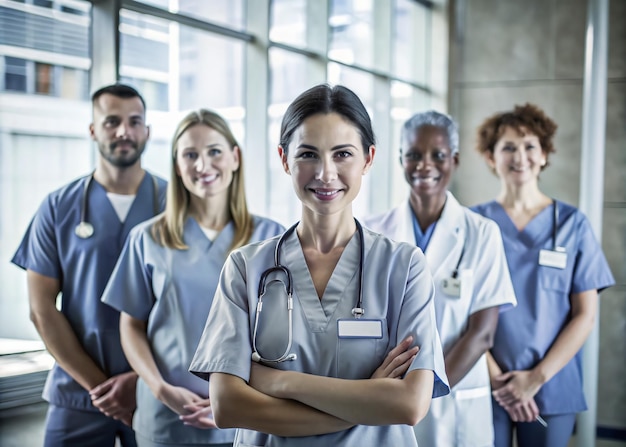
pixel 300 322
pixel 165 279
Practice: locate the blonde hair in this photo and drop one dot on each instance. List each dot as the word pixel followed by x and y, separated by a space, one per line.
pixel 168 229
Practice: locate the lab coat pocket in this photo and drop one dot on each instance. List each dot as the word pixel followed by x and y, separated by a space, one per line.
pixel 475 420
pixel 358 358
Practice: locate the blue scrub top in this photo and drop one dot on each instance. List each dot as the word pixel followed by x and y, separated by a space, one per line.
pixel 422 238
pixel 526 333
pixel 83 267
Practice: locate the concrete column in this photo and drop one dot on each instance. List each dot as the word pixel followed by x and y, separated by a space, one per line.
pixel 592 184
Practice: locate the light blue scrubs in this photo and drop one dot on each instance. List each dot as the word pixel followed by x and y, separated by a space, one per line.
pixel 397 289
pixel 83 267
pixel 526 333
pixel 172 290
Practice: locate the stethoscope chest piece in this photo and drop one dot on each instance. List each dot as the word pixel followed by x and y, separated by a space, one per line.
pixel 84 230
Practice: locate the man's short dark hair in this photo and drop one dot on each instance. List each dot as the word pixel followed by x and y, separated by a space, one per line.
pixel 119 90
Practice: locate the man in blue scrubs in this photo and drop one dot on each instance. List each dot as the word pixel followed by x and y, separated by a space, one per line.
pixel 71 247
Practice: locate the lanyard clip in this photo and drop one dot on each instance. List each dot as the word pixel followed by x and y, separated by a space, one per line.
pixel 358 312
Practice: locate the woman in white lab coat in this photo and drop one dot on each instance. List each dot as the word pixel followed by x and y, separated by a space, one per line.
pixel 472 284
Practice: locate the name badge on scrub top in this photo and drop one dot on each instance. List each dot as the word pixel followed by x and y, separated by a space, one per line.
pixel 556 258
pixel 359 328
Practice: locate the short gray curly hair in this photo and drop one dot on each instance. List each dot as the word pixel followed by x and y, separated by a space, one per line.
pixel 432 118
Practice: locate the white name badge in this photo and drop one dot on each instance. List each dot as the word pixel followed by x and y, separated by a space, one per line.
pixel 451 286
pixel 553 258
pixel 359 328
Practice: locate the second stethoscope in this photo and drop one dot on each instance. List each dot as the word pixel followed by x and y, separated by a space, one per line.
pixel 357 312
pixel 84 229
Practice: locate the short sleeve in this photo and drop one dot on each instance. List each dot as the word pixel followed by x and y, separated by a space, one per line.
pixel 417 318
pixel 492 280
pixel 225 343
pixel 38 250
pixel 129 288
pixel 591 269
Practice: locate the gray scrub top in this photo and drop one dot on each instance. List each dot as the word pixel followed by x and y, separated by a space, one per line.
pixel 526 333
pixel 173 290
pixel 83 267
pixel 397 289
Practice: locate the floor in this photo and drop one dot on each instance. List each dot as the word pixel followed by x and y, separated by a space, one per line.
pixel 25 428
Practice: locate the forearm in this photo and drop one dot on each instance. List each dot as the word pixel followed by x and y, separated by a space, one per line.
pixel 237 405
pixel 463 355
pixel 571 338
pixel 138 352
pixel 368 402
pixel 473 343
pixel 64 346
pixel 492 366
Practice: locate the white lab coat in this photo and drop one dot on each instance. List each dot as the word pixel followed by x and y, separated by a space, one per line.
pixel 463 418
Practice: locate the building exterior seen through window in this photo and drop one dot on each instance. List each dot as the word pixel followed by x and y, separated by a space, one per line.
pixel 193 54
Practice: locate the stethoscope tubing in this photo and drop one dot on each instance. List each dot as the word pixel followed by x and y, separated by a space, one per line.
pixel 357 312
pixel 84 229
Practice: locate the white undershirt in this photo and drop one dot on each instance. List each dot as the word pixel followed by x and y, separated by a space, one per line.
pixel 121 204
pixel 209 233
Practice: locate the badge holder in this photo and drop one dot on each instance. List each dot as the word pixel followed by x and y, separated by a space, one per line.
pixel 557 257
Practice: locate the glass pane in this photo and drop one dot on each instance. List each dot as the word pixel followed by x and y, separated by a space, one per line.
pixel 44 78
pixel 411 31
pixel 178 68
pixel 228 13
pixel 14 74
pixel 38 153
pixel 359 81
pixel 288 22
pixel 351 25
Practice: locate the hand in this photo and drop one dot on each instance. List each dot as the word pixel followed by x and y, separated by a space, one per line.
pixel 523 412
pixel 177 398
pixel 518 390
pixel 199 415
pixel 115 397
pixel 265 379
pixel 397 362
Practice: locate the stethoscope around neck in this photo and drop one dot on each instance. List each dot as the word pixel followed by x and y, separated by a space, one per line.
pixel 357 312
pixel 84 229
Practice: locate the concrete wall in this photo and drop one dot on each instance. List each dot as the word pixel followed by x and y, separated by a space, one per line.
pixel 507 52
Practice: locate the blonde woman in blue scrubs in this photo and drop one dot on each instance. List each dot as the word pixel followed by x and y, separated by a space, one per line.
pixel 557 268
pixel 296 370
pixel 472 284
pixel 166 276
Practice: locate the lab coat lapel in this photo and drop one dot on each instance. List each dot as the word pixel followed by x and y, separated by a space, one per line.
pixel 449 233
pixel 403 231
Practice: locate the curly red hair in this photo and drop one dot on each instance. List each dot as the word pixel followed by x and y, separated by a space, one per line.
pixel 525 119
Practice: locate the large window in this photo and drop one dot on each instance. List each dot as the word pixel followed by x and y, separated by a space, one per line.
pixel 246 59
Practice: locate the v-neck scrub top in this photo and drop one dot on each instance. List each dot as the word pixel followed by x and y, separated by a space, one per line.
pixel 172 290
pixel 397 289
pixel 526 333
pixel 83 267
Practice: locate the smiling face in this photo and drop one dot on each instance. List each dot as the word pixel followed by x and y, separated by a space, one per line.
pixel 326 161
pixel 428 162
pixel 517 157
pixel 119 129
pixel 205 162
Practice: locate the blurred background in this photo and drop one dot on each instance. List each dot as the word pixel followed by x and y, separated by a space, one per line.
pixel 247 59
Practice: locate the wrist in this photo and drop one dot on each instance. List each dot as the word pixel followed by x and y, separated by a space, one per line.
pixel 538 375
